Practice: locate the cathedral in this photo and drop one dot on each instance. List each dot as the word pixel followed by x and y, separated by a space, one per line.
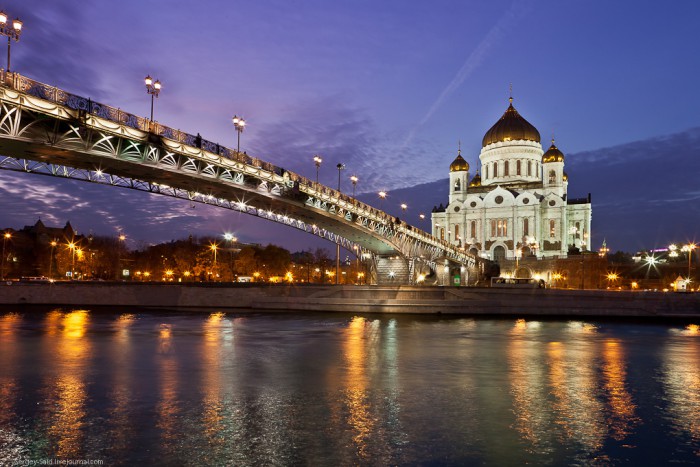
pixel 519 206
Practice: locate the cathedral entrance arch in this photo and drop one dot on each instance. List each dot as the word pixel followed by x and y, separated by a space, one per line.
pixel 499 254
pixel 523 272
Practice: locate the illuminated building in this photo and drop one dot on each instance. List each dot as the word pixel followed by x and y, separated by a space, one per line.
pixel 518 206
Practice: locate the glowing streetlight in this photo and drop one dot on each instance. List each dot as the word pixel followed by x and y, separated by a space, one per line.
pixel 11 31
pixel 689 249
pixel 354 180
pixel 213 249
pixel 404 207
pixel 603 250
pixel 239 125
pixel 152 88
pixel 317 162
pixel 382 196
pixel 72 247
pixel 5 238
pixel 53 247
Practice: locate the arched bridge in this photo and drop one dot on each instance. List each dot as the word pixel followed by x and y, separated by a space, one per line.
pixel 46 130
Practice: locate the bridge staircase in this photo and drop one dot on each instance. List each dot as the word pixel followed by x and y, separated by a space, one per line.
pixel 393 270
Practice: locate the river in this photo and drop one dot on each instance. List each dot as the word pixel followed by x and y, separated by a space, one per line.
pixel 167 388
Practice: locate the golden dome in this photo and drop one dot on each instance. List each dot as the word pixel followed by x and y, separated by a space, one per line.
pixel 566 177
pixel 553 154
pixel 511 127
pixel 476 181
pixel 459 164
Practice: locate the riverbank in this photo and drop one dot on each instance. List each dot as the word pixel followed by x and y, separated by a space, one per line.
pixel 356 299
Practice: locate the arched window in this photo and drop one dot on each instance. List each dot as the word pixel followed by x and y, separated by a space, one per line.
pixel 486 172
pixel 526 226
pixel 456 231
pixel 506 169
pixel 495 169
pixel 442 232
pixel 493 227
pixel 552 228
pixel 529 168
pixel 518 165
pixel 473 229
pixel 502 227
pixel 552 177
pixel 458 185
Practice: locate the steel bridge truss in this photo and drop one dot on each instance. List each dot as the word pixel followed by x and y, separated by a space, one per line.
pixel 50 132
pixel 102 178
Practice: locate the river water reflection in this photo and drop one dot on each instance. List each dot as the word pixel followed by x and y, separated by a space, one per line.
pixel 266 389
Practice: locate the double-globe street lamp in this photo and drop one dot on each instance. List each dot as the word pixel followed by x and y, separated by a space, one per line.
pixel 12 31
pixel 152 88
pixel 239 124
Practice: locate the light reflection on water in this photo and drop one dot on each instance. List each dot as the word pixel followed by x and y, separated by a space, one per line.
pixel 269 389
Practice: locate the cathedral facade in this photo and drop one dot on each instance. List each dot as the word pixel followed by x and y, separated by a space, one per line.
pixel 519 205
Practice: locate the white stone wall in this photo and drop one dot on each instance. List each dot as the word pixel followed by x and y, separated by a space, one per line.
pixel 512 151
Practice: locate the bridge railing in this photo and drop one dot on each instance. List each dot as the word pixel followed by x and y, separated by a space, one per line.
pixel 88 106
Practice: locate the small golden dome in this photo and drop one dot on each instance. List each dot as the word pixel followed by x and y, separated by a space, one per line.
pixel 566 177
pixel 511 127
pixel 476 181
pixel 553 154
pixel 459 164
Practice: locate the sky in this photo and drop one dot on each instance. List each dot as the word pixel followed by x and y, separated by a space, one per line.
pixel 388 88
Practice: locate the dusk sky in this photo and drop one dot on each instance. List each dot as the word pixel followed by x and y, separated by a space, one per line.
pixel 387 88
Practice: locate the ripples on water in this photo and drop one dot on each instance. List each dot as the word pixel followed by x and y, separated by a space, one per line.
pixel 338 390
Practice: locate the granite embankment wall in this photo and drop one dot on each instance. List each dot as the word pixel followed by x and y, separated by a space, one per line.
pixel 354 299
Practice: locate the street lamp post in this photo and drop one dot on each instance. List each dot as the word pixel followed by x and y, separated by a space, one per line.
pixel 382 195
pixel 152 88
pixel 689 249
pixel 239 125
pixel 354 180
pixel 317 162
pixel 5 237
pixel 340 168
pixel 11 31
pixel 213 249
pixel 53 247
pixel 231 240
pixel 71 246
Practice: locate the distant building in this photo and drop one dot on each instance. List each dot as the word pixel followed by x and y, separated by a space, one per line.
pixel 518 205
pixel 29 252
